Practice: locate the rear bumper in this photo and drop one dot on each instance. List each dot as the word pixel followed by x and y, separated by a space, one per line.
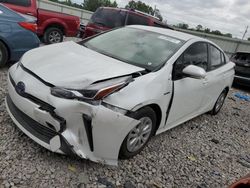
pixel 66 126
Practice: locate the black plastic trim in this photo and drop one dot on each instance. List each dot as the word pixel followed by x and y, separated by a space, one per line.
pixel 87 121
pixel 41 132
pixel 170 103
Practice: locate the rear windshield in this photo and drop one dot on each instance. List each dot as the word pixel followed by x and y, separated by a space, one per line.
pixel 135 46
pixel 110 18
pixel 9 13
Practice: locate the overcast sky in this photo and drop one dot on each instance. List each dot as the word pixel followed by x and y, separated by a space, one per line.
pixel 228 16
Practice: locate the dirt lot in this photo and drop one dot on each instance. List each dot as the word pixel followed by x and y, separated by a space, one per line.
pixel 207 152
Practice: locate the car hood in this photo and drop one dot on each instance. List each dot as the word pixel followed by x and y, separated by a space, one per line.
pixel 73 66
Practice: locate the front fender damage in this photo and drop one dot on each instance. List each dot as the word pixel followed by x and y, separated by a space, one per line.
pixel 109 130
pixel 102 141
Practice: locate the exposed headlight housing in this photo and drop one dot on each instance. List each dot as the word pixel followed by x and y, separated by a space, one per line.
pixel 115 108
pixel 96 91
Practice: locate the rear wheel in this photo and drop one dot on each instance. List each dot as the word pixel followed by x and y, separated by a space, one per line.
pixel 219 103
pixel 53 35
pixel 3 54
pixel 139 136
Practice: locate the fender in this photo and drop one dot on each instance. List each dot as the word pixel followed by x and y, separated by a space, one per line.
pixel 52 21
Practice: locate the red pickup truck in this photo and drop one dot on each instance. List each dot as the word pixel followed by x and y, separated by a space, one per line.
pixel 52 26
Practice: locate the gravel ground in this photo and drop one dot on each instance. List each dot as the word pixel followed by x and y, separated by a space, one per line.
pixel 206 152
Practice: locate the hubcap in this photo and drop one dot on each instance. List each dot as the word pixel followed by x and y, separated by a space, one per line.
pixel 54 37
pixel 139 135
pixel 220 102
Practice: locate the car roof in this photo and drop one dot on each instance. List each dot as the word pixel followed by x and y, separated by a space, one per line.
pixel 133 11
pixel 169 32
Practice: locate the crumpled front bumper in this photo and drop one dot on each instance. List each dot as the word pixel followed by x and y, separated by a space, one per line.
pixel 63 125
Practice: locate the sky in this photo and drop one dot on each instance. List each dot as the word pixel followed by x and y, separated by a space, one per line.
pixel 228 16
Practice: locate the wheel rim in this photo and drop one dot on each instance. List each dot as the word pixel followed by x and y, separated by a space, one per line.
pixel 220 101
pixel 139 136
pixel 54 37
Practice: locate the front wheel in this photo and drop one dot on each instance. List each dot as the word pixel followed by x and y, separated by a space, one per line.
pixel 139 136
pixel 219 103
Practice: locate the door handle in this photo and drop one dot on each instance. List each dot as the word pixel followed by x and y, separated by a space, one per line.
pixel 29 13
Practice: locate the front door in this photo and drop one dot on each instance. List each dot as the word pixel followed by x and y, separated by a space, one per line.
pixel 188 92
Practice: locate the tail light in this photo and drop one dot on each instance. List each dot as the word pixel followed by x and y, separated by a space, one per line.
pixel 29 26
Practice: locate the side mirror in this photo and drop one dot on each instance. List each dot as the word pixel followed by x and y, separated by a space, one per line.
pixel 194 72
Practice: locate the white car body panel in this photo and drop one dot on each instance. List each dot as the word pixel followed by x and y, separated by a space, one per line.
pixel 72 66
pixel 60 70
pixel 72 112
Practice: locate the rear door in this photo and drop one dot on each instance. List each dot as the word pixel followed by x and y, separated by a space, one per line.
pixel 217 75
pixel 22 6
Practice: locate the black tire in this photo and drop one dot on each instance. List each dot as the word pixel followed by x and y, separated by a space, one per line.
pixel 219 102
pixel 50 32
pixel 3 54
pixel 143 112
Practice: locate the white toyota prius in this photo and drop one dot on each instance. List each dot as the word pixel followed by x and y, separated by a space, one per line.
pixel 105 97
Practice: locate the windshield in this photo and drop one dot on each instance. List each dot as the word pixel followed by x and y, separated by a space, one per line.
pixel 108 17
pixel 135 46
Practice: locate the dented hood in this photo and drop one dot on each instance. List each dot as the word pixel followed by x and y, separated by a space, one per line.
pixel 73 66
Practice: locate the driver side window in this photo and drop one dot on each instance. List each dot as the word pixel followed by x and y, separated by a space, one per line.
pixel 196 54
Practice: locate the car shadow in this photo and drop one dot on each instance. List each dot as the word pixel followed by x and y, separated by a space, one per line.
pixel 242 87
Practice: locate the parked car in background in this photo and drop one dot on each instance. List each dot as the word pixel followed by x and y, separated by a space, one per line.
pixel 116 90
pixel 52 26
pixel 17 35
pixel 242 68
pixel 105 18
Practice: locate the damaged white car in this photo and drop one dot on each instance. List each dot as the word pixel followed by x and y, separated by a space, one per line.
pixel 103 98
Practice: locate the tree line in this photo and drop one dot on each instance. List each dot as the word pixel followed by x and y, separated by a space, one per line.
pixel 202 29
pixel 92 5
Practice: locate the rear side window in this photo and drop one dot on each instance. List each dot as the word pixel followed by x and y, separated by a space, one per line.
pixel 134 19
pixel 217 58
pixel 109 18
pixel 25 3
pixel 6 12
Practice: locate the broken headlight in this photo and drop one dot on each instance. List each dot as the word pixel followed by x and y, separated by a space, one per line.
pixel 96 91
